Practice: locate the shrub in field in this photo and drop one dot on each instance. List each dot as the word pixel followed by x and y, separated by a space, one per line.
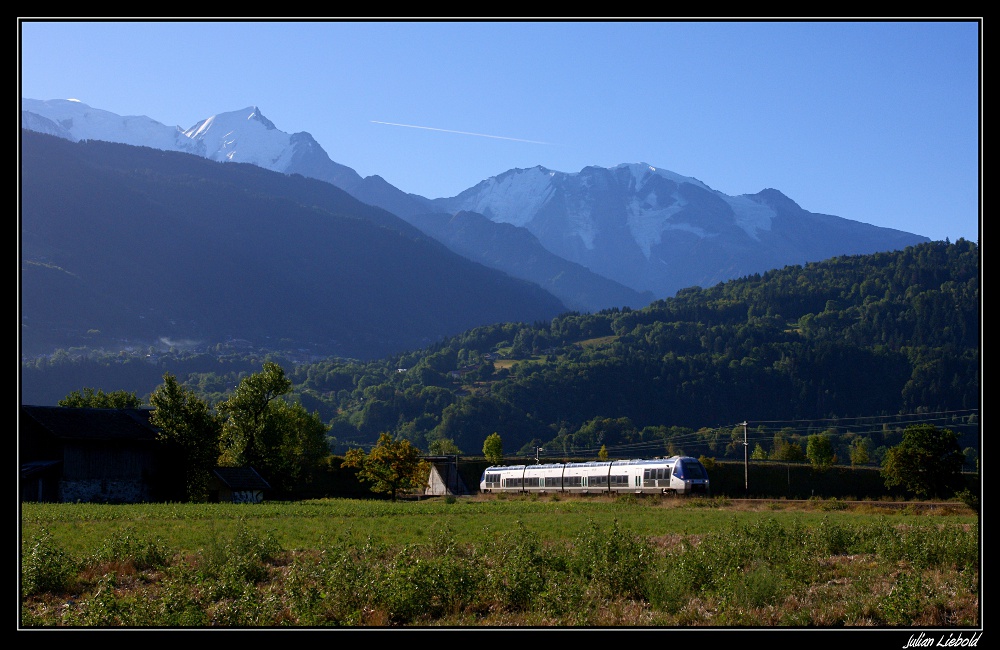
pixel 103 608
pixel 420 584
pixel 922 546
pixel 45 565
pixel 458 572
pixel 178 604
pixel 111 604
pixel 566 597
pixel 244 558
pixel 127 546
pixel 834 539
pixel 721 562
pixel 614 561
pixel 253 607
pixel 666 588
pixel 968 498
pixel 941 546
pixel 902 604
pixel 760 586
pixel 305 590
pixel 515 569
pixel 343 586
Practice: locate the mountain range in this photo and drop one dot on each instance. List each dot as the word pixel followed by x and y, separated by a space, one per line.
pixel 597 238
pixel 594 239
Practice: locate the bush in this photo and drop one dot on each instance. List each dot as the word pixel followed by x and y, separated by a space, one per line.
pixel 45 565
pixel 614 561
pixel 968 498
pixel 126 546
pixel 238 561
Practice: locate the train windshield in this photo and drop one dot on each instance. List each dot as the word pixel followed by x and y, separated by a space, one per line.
pixel 691 469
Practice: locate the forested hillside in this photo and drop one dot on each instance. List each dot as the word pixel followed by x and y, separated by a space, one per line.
pixel 854 346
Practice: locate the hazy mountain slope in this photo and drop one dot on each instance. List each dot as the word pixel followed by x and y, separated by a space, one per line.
pixel 519 253
pixel 131 244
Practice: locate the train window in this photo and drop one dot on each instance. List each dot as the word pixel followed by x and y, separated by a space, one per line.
pixel 693 469
pixel 656 473
pixel 619 481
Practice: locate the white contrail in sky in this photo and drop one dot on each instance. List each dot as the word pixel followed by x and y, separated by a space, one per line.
pixel 481 135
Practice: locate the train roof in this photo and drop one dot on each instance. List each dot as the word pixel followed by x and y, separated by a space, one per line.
pixel 593 463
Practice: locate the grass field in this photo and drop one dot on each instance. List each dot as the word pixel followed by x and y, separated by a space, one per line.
pixel 500 561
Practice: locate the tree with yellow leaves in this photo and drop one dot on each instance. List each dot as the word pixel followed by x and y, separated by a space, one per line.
pixel 391 467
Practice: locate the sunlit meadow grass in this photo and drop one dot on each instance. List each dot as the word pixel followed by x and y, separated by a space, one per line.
pixel 496 562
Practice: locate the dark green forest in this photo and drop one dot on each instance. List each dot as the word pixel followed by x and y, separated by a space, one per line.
pixel 854 348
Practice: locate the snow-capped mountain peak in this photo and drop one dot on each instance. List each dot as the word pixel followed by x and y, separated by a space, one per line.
pixel 243 136
pixel 82 122
pixel 651 201
pixel 653 229
pixel 237 136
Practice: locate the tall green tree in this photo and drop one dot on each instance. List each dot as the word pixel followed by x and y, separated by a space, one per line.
pixel 304 444
pixel 859 451
pixel 444 447
pixel 89 398
pixel 493 448
pixel 281 440
pixel 785 450
pixel 188 424
pixel 250 433
pixel 391 467
pixel 819 451
pixel 928 462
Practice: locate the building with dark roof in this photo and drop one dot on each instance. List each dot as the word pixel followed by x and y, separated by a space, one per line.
pixel 95 455
pixel 237 485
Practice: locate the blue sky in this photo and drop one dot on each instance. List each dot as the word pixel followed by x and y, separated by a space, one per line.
pixel 878 122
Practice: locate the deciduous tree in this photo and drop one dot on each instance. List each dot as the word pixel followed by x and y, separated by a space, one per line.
pixel 187 423
pixel 281 440
pixel 391 467
pixel 859 451
pixel 444 447
pixel 88 398
pixel 928 462
pixel 819 451
pixel 250 434
pixel 493 448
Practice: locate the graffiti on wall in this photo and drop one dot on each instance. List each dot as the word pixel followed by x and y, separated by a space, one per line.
pixel 248 496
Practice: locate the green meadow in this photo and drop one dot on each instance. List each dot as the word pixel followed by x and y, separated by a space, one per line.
pixel 500 560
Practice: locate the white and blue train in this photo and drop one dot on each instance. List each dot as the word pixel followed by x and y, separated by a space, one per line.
pixel 675 475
